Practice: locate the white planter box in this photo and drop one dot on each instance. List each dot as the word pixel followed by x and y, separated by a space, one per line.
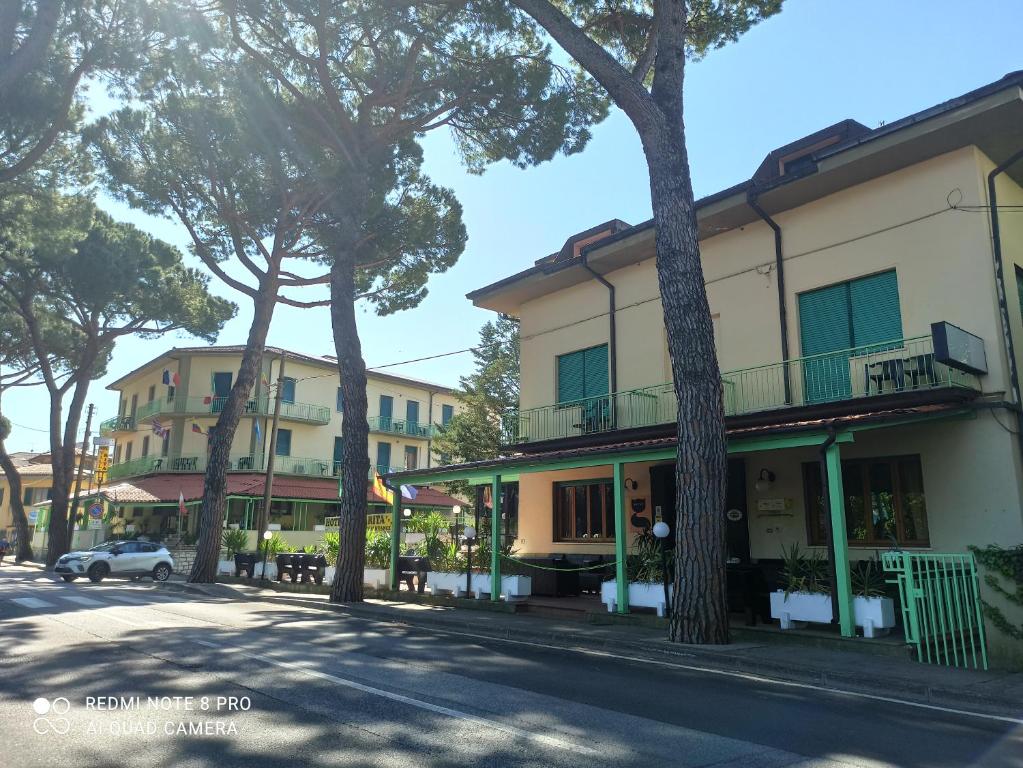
pixel 271 570
pixel 225 567
pixel 875 614
pixel 328 574
pixel 642 594
pixel 512 587
pixel 378 578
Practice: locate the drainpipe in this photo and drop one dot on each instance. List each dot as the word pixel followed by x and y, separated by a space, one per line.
pixel 832 569
pixel 1003 309
pixel 779 268
pixel 612 347
pixel 429 433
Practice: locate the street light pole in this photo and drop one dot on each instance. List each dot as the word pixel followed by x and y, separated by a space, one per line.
pixel 266 546
pixel 470 534
pixel 661 531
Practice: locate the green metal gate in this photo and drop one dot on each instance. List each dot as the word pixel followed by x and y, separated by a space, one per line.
pixel 941 609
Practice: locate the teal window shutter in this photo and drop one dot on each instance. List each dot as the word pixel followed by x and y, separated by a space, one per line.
pixel 824 321
pixel 595 363
pixel 383 457
pixel 571 377
pixel 447 413
pixel 874 306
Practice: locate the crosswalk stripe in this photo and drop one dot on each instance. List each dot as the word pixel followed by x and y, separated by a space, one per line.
pixel 32 602
pixel 127 599
pixel 80 600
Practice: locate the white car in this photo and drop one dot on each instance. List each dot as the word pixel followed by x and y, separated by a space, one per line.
pixel 117 558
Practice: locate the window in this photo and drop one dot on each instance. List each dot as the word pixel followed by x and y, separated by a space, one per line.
pixel 383 457
pixel 165 445
pixel 411 457
pixel 222 383
pixel 170 393
pixel 386 411
pixel 145 446
pixel 283 445
pixel 27 497
pixel 152 393
pixel 447 413
pixel 835 319
pixel 340 401
pixel 884 501
pixel 134 405
pixel 582 374
pixel 584 511
pixel 412 412
pixel 127 451
pixel 49 494
pixel 337 455
pixel 117 454
pixel 288 390
pixel 2 495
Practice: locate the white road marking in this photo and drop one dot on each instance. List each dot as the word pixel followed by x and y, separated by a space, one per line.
pixel 81 600
pixel 436 708
pixel 109 614
pixel 32 602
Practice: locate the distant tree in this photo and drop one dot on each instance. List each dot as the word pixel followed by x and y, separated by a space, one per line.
pixel 487 395
pixel 79 281
pixel 48 49
pixel 364 81
pixel 637 51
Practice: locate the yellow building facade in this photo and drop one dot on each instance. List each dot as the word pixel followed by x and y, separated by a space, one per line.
pixel 866 326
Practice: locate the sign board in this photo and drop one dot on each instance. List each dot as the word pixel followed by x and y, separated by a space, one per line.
pixel 101 442
pixel 94 523
pixel 958 349
pixel 33 515
pixel 773 505
pixel 734 515
pixel 102 464
pixel 96 511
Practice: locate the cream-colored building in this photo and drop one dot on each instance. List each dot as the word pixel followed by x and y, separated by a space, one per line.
pixel 168 407
pixel 36 473
pixel 860 324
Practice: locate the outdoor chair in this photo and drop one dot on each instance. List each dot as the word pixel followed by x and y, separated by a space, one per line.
pixel 245 561
pixel 409 567
pixel 286 565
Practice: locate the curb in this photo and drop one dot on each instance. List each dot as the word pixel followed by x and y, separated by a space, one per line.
pixel 693 657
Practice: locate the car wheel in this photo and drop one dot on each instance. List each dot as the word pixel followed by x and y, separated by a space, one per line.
pixel 161 572
pixel 69 579
pixel 98 571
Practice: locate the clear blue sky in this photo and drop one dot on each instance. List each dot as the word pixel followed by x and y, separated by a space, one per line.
pixel 817 62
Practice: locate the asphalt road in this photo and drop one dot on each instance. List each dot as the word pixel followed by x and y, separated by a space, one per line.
pixel 134 675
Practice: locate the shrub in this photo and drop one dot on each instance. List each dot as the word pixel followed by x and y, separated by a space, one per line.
pixel 275 545
pixel 234 541
pixel 378 549
pixel 329 546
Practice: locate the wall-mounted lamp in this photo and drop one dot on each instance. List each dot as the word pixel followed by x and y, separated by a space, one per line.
pixel 764 481
pixel 456 510
pixel 631 484
pixel 407 512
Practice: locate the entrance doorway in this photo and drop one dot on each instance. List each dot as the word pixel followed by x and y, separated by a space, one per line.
pixel 662 492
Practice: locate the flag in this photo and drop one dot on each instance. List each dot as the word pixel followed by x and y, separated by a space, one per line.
pixel 175 379
pixel 266 381
pixel 259 432
pixel 207 399
pixel 409 492
pixel 380 489
pixel 181 504
pixel 166 376
pixel 160 430
pixel 197 429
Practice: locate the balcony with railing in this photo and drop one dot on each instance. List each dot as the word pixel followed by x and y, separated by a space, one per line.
pixel 890 368
pixel 392 426
pixel 212 406
pixel 116 424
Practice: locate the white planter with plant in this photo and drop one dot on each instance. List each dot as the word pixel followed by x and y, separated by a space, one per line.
pixel 512 587
pixel 378 578
pixel 233 541
pixel 808 598
pixel 446 581
pixel 377 571
pixel 642 594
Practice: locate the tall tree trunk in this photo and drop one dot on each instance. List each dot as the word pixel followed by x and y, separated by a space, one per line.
pixel 62 456
pixel 214 493
pixel 699 612
pixel 24 550
pixel 348 575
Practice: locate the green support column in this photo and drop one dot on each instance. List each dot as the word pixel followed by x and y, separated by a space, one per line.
pixel 836 501
pixel 495 539
pixel 621 539
pixel 395 537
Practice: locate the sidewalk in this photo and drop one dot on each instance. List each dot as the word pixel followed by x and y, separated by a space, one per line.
pixel 992 692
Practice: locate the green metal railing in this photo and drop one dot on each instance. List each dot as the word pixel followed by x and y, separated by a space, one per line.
pixel 941 608
pixel 284 465
pixel 150 464
pixel 116 424
pixel 901 365
pixel 212 406
pixel 391 425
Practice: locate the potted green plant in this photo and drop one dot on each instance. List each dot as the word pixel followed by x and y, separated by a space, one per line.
pixel 644 571
pixel 806 596
pixel 232 542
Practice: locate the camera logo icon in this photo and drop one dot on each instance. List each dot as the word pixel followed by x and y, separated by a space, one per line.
pixel 51 716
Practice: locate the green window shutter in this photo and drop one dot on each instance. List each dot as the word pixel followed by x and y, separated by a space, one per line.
pixel 874 302
pixel 571 377
pixel 824 322
pixel 595 363
pixel 383 457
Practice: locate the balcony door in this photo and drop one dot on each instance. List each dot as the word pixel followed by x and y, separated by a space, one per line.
pixel 222 383
pixel 386 411
pixel 411 417
pixel 836 322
